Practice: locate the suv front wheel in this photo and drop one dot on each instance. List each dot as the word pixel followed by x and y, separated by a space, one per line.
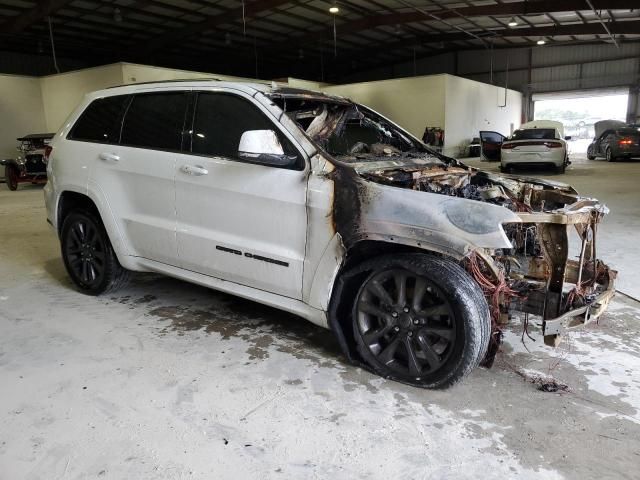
pixel 88 255
pixel 420 320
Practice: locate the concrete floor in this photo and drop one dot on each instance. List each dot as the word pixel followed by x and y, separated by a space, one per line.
pixel 170 380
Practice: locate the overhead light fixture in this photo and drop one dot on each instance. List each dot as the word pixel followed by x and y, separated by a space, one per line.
pixel 334 9
pixel 541 41
pixel 513 22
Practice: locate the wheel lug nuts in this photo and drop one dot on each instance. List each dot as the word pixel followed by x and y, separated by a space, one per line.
pixel 397 329
pixel 394 314
pixel 416 321
pixel 410 334
pixel 405 309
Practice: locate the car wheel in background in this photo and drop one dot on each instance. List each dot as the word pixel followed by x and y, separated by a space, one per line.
pixel 11 175
pixel 88 255
pixel 420 320
pixel 609 155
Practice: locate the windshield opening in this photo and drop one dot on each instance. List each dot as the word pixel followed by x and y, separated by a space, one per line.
pixel 347 129
pixel 534 134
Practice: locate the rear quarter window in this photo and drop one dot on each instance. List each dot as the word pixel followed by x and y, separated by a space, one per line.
pixel 101 120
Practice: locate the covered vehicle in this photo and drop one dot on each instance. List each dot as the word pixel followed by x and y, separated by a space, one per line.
pixel 540 142
pixel 614 140
pixel 31 164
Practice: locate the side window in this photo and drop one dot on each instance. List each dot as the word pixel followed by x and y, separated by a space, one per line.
pixel 155 120
pixel 220 120
pixel 101 120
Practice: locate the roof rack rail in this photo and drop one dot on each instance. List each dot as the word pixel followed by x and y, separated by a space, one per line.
pixel 177 80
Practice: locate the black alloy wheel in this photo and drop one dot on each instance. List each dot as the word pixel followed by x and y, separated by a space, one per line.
pixel 88 255
pixel 406 322
pixel 420 320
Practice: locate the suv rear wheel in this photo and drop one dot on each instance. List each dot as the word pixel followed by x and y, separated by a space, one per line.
pixel 420 320
pixel 88 255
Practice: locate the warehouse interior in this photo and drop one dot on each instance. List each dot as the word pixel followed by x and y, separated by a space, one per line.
pixel 164 378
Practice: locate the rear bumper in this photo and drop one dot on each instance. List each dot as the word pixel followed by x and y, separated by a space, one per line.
pixel 556 157
pixel 627 152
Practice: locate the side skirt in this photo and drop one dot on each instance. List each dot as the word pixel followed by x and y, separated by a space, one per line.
pixel 297 307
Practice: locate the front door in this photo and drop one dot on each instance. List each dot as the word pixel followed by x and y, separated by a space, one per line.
pixel 491 145
pixel 238 221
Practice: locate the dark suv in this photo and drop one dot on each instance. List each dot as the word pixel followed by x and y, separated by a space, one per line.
pixel 616 143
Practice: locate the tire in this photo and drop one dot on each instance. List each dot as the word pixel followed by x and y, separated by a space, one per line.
pixel 590 157
pixel 88 255
pixel 562 168
pixel 11 176
pixel 430 333
pixel 609 156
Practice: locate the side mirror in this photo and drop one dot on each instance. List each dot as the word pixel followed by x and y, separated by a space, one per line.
pixel 263 146
pixel 568 137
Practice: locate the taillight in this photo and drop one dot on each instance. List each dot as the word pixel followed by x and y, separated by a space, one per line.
pixel 553 144
pixel 625 141
pixel 508 146
pixel 47 152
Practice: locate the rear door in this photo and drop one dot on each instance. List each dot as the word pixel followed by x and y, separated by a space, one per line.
pixel 138 175
pixel 238 221
pixel 491 144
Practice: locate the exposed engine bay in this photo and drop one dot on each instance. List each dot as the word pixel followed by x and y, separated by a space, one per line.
pixel 536 275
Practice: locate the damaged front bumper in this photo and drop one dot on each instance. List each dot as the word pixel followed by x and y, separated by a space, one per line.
pixel 573 313
pixel 566 293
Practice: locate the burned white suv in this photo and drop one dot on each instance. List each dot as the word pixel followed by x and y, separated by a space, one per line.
pixel 321 207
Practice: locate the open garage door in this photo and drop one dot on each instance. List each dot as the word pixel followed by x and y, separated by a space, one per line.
pixel 579 110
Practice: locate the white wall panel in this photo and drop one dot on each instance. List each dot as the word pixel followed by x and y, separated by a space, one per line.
pixel 21 111
pixel 414 103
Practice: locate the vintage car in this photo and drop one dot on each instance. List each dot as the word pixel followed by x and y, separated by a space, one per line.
pixel 30 166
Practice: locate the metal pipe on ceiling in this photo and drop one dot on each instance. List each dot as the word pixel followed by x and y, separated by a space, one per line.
pixel 435 17
pixel 613 38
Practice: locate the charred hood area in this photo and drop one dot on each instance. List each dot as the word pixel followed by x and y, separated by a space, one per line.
pixel 516 194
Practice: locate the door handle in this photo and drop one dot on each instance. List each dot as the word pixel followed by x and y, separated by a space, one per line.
pixel 195 170
pixel 109 157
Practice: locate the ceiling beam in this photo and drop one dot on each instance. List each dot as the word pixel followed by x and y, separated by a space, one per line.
pixel 631 27
pixel 172 36
pixel 43 9
pixel 501 9
pixel 593 28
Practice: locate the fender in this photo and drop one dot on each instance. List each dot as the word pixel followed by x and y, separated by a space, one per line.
pixel 120 246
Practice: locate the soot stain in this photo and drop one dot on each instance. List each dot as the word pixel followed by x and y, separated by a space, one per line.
pixel 262 327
